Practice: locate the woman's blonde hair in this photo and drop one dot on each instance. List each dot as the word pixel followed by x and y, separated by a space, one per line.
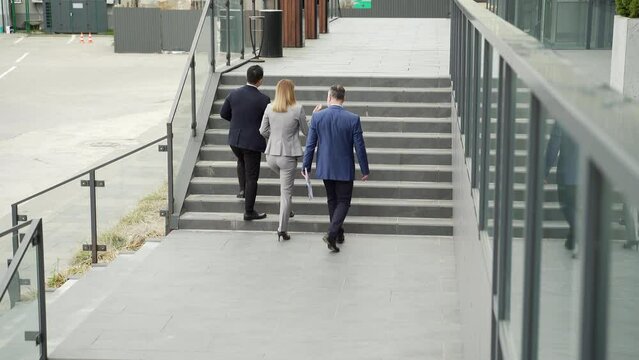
pixel 284 96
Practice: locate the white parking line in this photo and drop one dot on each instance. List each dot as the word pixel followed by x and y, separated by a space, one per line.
pixel 71 40
pixel 7 72
pixel 19 40
pixel 22 57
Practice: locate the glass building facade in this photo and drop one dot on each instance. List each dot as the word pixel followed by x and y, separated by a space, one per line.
pixel 561 24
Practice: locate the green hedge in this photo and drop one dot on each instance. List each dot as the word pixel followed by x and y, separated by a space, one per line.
pixel 628 8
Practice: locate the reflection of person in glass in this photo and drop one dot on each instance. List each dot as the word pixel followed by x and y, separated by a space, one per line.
pixel 630 219
pixel 563 151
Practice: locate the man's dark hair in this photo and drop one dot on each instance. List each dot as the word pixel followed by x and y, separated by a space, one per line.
pixel 338 92
pixel 254 74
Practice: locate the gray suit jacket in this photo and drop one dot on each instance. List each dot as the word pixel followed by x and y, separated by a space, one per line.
pixel 282 130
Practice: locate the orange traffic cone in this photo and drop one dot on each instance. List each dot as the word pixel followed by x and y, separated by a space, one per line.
pixel 90 39
pixel 81 38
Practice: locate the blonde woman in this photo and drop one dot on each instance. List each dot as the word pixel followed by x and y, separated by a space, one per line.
pixel 283 119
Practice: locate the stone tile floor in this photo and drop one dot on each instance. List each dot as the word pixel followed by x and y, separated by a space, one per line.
pixel 235 295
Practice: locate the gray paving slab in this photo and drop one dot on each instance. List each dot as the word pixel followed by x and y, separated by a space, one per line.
pixel 378 47
pixel 243 295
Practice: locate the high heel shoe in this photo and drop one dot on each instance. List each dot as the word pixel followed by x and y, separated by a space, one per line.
pixel 283 235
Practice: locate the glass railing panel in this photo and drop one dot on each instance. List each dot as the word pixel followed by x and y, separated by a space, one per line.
pixel 203 57
pixel 623 248
pixel 236 31
pixel 19 311
pixel 519 103
pixel 220 21
pixel 560 285
pixel 66 220
pixel 492 143
pixel 129 204
pixel 6 249
pixel 181 125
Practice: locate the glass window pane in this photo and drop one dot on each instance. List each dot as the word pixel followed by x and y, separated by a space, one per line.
pixel 623 319
pixel 560 284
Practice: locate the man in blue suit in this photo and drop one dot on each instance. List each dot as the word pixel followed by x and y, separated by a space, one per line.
pixel 335 132
pixel 244 108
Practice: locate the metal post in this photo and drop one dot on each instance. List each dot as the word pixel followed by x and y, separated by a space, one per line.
pixel 42 304
pixel 169 164
pixel 14 288
pixel 468 89
pixel 485 155
pixel 242 21
pixel 506 190
pixel 462 73
pixel 228 33
pixel 94 226
pixel 534 231
pixel 193 99
pixel 213 52
pixel 594 230
pixel 476 98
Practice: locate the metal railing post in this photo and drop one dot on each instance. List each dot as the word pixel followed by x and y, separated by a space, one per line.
pixel 14 289
pixel 213 51
pixel 193 99
pixel 242 35
pixel 169 160
pixel 228 33
pixel 94 225
pixel 475 108
pixel 42 304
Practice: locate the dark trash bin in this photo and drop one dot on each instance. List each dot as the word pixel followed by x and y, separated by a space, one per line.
pixel 272 44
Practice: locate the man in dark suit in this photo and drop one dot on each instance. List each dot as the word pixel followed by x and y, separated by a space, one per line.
pixel 244 108
pixel 563 151
pixel 335 132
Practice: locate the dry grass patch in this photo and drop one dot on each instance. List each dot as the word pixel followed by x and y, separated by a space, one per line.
pixel 129 234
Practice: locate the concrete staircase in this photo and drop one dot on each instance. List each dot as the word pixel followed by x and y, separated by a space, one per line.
pixel 407 131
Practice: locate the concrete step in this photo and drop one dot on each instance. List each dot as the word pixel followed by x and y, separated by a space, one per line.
pixel 376 124
pixel 319 223
pixel 558 229
pixel 304 206
pixel 239 78
pixel 375 155
pixel 396 109
pixel 370 189
pixel 369 94
pixel 372 139
pixel 379 172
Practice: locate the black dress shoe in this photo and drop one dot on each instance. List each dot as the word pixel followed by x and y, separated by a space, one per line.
pixel 291 214
pixel 240 195
pixel 283 235
pixel 331 244
pixel 340 238
pixel 254 216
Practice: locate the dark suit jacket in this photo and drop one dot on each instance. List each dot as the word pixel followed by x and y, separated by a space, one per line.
pixel 335 132
pixel 244 108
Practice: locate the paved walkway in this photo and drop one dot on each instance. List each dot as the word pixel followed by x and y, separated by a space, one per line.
pixel 377 47
pixel 233 295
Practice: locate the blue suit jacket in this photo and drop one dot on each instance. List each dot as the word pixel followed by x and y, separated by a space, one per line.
pixel 335 132
pixel 244 108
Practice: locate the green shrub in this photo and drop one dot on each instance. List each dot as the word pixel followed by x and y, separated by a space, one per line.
pixel 628 8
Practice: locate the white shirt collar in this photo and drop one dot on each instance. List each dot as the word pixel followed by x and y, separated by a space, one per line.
pixel 249 84
pixel 340 105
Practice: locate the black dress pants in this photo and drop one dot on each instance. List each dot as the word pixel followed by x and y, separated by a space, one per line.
pixel 248 172
pixel 338 194
pixel 567 202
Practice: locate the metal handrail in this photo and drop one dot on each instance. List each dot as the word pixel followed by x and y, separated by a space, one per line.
pixel 87 172
pixel 14 229
pixel 603 120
